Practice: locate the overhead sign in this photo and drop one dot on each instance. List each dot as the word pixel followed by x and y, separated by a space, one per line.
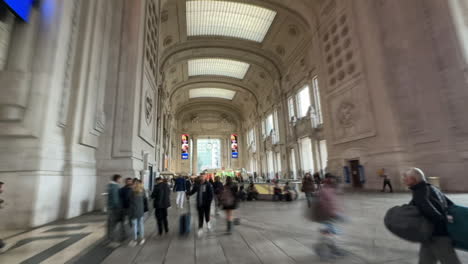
pixel 234 147
pixel 185 146
pixel 22 8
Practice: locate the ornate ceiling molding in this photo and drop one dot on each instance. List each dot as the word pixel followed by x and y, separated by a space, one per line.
pixel 228 83
pixel 181 53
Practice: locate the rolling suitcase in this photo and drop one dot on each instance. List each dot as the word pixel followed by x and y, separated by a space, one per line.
pixel 458 228
pixel 185 222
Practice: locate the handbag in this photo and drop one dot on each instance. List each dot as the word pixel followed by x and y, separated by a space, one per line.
pixel 408 223
pixel 458 227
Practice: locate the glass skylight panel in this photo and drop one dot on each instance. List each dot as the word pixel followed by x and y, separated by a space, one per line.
pixel 230 19
pixel 212 92
pixel 222 67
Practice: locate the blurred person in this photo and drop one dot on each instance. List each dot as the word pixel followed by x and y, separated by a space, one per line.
pixel 277 192
pixel 433 205
pixel 114 209
pixel 218 190
pixel 308 188
pixel 161 202
pixel 386 180
pixel 180 187
pixel 318 180
pixel 241 194
pixel 230 201
pixel 252 192
pixel 124 193
pixel 137 212
pixel 2 186
pixel 204 195
pixel 188 186
pixel 330 213
pixel 287 192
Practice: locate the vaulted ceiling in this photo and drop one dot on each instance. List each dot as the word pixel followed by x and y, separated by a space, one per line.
pixel 230 55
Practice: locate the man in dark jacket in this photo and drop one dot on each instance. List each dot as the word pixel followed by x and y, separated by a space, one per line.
pixel 125 193
pixel 433 205
pixel 114 208
pixel 161 201
pixel 204 197
pixel 180 187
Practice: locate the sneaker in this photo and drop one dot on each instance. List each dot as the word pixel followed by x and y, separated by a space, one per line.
pixel 200 232
pixel 133 243
pixel 209 226
pixel 142 241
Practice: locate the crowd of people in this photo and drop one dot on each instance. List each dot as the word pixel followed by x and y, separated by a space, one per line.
pixel 127 206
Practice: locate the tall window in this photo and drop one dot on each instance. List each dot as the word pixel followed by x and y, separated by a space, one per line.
pixel 292 161
pixel 291 111
pixel 276 135
pixel 303 101
pixel 323 154
pixel 278 164
pixel 270 164
pixel 264 133
pixel 307 163
pixel 269 124
pixel 318 106
pixel 251 139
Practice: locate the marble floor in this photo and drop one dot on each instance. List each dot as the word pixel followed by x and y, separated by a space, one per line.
pixel 269 233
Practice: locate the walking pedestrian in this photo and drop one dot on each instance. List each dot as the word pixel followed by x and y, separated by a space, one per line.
pixel 114 209
pixel 2 186
pixel 386 181
pixel 204 195
pixel 161 202
pixel 218 190
pixel 180 187
pixel 125 193
pixel 137 212
pixel 318 180
pixel 308 188
pixel 432 204
pixel 329 212
pixel 230 201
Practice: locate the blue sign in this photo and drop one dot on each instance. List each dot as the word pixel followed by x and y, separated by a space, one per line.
pixel 235 155
pixel 21 8
pixel 185 156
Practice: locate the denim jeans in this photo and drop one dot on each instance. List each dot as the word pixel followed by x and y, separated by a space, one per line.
pixel 138 228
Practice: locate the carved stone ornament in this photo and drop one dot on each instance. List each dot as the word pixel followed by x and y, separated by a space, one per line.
pixel 164 16
pixel 148 107
pixel 346 114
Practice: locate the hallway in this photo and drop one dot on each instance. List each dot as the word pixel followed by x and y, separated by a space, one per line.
pixel 256 90
pixel 275 233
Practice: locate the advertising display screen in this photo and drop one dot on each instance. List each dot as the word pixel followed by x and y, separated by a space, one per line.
pixel 21 8
pixel 185 146
pixel 234 146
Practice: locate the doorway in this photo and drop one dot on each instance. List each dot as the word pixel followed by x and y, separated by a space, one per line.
pixel 355 173
pixel 208 154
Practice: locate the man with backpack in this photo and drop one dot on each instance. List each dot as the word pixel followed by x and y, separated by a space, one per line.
pixel 229 200
pixel 433 205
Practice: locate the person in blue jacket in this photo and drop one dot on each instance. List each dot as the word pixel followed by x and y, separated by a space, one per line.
pixel 180 187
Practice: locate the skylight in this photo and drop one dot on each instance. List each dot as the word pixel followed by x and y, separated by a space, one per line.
pixel 230 19
pixel 223 67
pixel 212 92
